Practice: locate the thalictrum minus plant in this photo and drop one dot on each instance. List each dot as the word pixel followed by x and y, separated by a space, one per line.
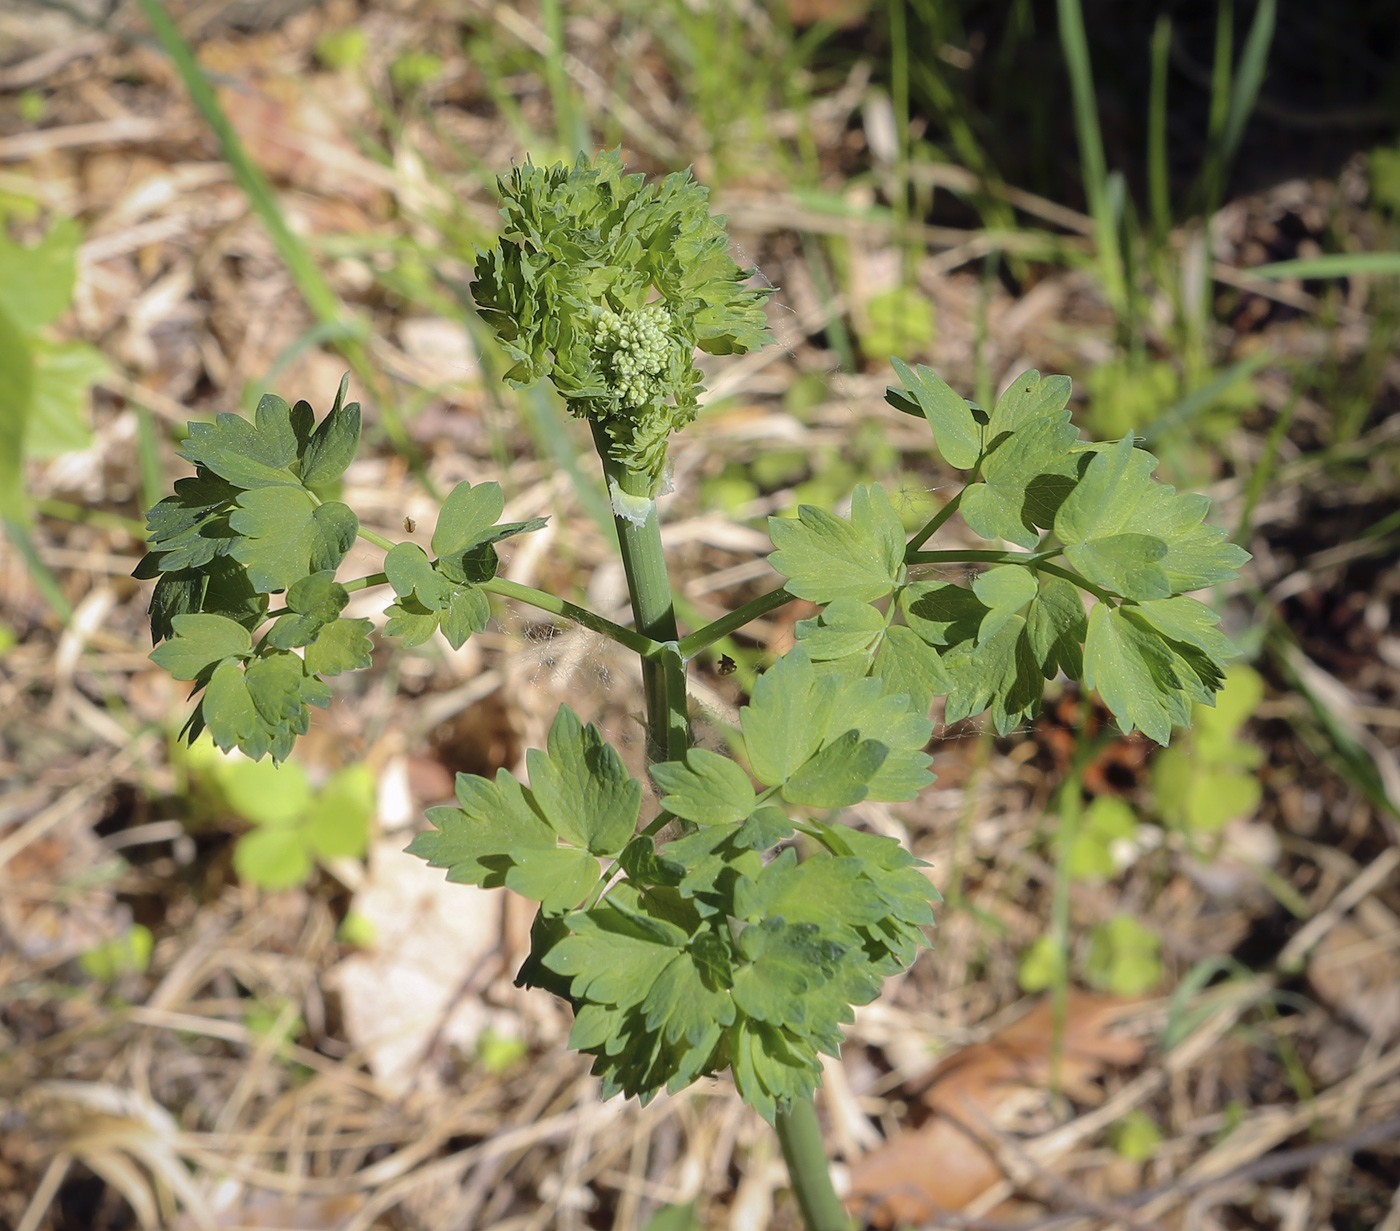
pixel 737 927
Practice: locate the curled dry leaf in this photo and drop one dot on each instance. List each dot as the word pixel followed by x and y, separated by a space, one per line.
pixel 942 1165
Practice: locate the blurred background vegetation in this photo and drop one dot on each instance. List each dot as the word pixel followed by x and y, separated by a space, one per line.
pixel 1165 987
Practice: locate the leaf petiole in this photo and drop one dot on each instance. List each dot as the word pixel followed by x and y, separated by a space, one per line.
pixel 629 638
pixel 689 647
pixel 935 523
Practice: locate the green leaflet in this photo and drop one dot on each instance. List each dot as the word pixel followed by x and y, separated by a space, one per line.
pixel 200 642
pixel 1135 673
pixel 1123 529
pixel 845 627
pixel 1055 628
pixel 827 558
pixel 504 833
pixel 315 601
pixel 1027 398
pixel 341 645
pixel 1005 590
pixel 253 455
pixel 956 428
pixel 705 788
pixel 799 727
pixel 190 528
pixel 286 535
pixel 332 445
pixel 429 600
pixel 262 709
pixel 1000 674
pixel 1025 479
pixel 467 516
pixel 838 774
pixel 582 788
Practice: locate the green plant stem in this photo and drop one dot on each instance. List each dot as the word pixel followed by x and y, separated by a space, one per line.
pixel 801 1139
pixel 935 523
pixel 650 649
pixel 689 647
pixel 668 737
pixel 653 613
pixel 974 556
pixel 372 536
pixel 1082 582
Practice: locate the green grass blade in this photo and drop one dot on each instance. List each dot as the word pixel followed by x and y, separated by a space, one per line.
pixel 1075 45
pixel 1248 78
pixel 1158 176
pixel 317 292
pixel 1334 265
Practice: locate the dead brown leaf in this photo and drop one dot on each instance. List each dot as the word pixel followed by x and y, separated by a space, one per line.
pixel 943 1165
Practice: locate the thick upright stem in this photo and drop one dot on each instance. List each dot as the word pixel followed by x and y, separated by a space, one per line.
pixel 654 616
pixel 668 737
pixel 801 1139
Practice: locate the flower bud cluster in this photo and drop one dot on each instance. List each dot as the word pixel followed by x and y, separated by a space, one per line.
pixel 636 346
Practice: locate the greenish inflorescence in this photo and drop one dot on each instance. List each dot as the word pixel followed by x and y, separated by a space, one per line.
pixel 607 286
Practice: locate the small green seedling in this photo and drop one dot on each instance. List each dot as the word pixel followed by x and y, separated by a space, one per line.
pixel 1207 777
pixel 129 953
pixel 294 823
pixel 1124 957
pixel 43 383
pixel 734 924
pixel 344 48
pixel 1136 1136
pixel 1105 836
